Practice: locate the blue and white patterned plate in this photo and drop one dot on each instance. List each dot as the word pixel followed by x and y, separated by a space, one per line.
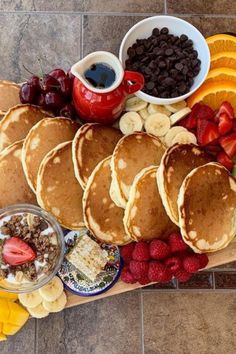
pixel 75 282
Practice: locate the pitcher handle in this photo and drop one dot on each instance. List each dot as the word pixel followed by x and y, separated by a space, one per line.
pixel 136 78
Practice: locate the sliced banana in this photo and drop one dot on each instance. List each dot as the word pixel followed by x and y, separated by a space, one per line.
pixel 30 300
pixel 38 311
pixel 57 305
pixel 184 138
pixel 174 118
pixel 175 107
pixel 131 122
pixel 156 108
pixel 144 113
pixel 52 290
pixel 172 133
pixel 157 124
pixel 134 104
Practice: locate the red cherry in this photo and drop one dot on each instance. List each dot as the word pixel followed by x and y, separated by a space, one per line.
pixel 54 100
pixel 57 73
pixel 40 100
pixel 27 93
pixel 49 83
pixel 69 73
pixel 34 81
pixel 68 111
pixel 65 85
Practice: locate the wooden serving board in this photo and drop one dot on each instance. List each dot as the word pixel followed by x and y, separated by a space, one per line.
pixel 226 255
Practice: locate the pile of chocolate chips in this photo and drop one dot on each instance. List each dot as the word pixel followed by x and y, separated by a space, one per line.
pixel 168 63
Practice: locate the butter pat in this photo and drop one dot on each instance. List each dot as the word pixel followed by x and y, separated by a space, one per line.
pixel 88 257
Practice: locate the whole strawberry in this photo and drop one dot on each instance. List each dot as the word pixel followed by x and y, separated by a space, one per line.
pixel 174 264
pixel 159 249
pixel 144 280
pixel 141 251
pixel 127 276
pixel 182 276
pixel 203 259
pixel 126 252
pixel 191 264
pixel 158 272
pixel 139 269
pixel 176 243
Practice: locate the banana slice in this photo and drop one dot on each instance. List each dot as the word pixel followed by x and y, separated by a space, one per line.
pixel 131 122
pixel 57 305
pixel 30 300
pixel 174 118
pixel 52 290
pixel 172 133
pixel 184 138
pixel 156 108
pixel 38 311
pixel 175 107
pixel 134 104
pixel 144 113
pixel 157 124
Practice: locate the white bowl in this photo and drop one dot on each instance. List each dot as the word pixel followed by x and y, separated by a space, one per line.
pixel 176 26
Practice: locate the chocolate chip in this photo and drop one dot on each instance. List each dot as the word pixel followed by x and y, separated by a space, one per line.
pixel 164 30
pixel 139 50
pixel 162 64
pixel 169 52
pixel 179 66
pixel 183 38
pixel 155 32
pixel 168 81
pixel 150 85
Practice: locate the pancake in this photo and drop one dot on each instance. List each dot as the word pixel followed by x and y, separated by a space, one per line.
pixel 42 138
pixel 9 95
pixel 92 143
pixel 14 188
pixel 176 163
pixel 145 217
pixel 18 121
pixel 102 217
pixel 132 153
pixel 207 208
pixel 58 191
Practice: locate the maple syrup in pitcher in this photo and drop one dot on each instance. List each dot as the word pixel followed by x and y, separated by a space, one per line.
pixel 100 75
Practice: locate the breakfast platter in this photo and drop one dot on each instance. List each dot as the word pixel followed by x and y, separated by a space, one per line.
pixel 119 173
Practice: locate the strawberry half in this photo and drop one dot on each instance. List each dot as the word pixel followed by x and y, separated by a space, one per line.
pixel 227 108
pixel 225 124
pixel 206 132
pixel 16 252
pixel 224 159
pixel 228 143
pixel 202 111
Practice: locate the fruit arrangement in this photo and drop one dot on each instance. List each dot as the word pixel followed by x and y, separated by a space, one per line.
pixel 52 92
pixel 160 261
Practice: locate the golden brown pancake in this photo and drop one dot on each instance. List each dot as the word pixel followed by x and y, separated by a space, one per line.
pixel 102 217
pixel 92 143
pixel 176 163
pixel 14 188
pixel 42 138
pixel 18 121
pixel 145 217
pixel 207 208
pixel 58 191
pixel 132 153
pixel 9 95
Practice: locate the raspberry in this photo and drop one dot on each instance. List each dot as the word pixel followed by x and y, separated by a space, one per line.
pixel 127 276
pixel 174 264
pixel 191 264
pixel 138 269
pixel 126 252
pixel 182 276
pixel 158 272
pixel 176 243
pixel 141 251
pixel 159 249
pixel 203 259
pixel 144 280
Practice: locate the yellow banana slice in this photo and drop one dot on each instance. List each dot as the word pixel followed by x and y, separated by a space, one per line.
pixel 30 300
pixel 57 305
pixel 134 104
pixel 175 107
pixel 38 311
pixel 52 290
pixel 171 134
pixel 184 138
pixel 131 122
pixel 157 124
pixel 156 108
pixel 144 113
pixel 174 118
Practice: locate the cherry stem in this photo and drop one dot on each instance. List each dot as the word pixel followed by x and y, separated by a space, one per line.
pixel 40 66
pixel 30 72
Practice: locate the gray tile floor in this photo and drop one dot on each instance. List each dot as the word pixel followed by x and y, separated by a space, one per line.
pixel 59 32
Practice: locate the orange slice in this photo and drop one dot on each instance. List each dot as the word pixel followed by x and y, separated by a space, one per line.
pixel 221 43
pixel 227 59
pixel 214 93
pixel 223 73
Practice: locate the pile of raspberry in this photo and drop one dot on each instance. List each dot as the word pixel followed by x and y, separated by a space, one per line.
pixel 160 261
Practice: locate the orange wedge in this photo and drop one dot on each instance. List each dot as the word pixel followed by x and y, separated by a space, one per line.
pixel 223 73
pixel 227 59
pixel 214 93
pixel 221 43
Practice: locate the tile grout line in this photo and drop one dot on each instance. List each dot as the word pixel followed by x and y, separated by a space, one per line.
pixel 142 325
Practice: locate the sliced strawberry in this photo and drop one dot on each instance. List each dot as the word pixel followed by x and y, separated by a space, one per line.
pixel 227 108
pixel 228 143
pixel 16 252
pixel 206 132
pixel 191 121
pixel 234 125
pixel 182 122
pixel 224 159
pixel 213 149
pixel 202 111
pixel 225 123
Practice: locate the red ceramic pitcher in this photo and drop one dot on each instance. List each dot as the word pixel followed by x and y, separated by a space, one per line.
pixel 103 105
